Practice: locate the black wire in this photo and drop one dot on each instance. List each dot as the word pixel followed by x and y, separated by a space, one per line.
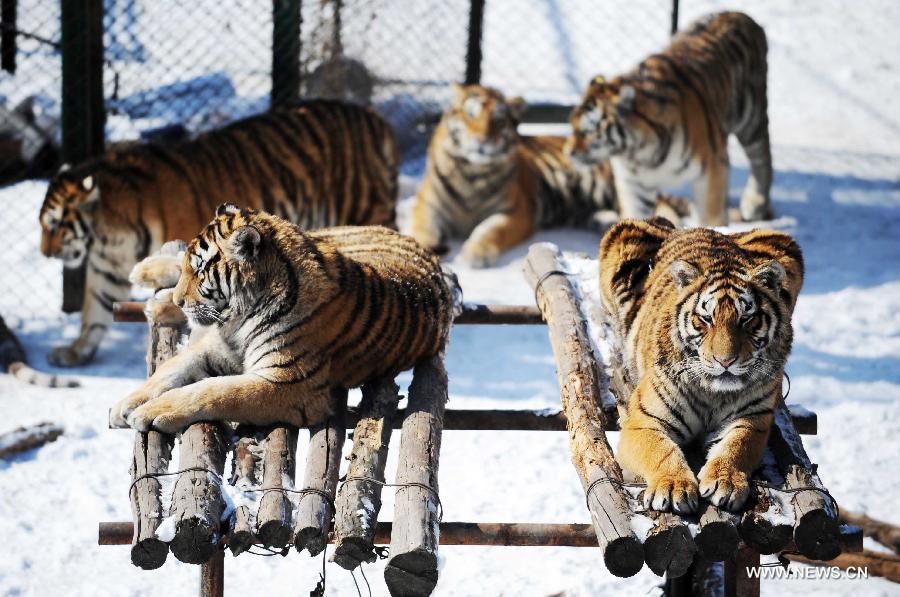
pixel 428 488
pixel 543 278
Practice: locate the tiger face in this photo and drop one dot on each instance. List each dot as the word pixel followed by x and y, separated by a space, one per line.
pixel 481 124
pixel 601 126
pixel 726 327
pixel 66 217
pixel 223 269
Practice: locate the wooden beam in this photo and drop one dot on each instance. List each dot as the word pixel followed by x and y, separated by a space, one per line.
pixel 27 438
pixel 579 381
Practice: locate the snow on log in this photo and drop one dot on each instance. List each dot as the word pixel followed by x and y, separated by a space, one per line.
pixel 768 525
pixel 323 461
pixel 413 567
pixel 273 521
pixel 197 501
pixel 816 529
pixel 359 499
pixel 27 438
pixel 579 381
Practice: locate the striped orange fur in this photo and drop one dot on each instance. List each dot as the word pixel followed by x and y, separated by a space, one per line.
pixel 291 315
pixel 704 323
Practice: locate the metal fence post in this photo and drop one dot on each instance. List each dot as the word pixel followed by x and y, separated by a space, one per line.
pixel 8 36
pixel 674 16
pixel 82 104
pixel 286 19
pixel 473 47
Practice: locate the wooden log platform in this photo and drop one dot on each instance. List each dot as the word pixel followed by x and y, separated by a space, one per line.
pixel 273 520
pixel 245 478
pixel 579 382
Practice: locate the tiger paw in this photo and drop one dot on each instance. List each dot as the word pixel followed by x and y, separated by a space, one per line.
pixel 755 207
pixel 480 256
pixel 723 485
pixel 118 414
pixel 168 414
pixel 67 356
pixel 677 492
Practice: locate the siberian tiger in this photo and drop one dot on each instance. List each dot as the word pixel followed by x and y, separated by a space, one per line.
pixel 667 122
pixel 322 163
pixel 487 183
pixel 704 323
pixel 291 315
pixel 12 360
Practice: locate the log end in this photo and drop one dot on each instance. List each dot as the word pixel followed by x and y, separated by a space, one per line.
pixel 670 550
pixel 817 536
pixel 717 540
pixel 762 535
pixel 274 533
pixel 353 551
pixel 194 542
pixel 311 539
pixel 412 574
pixel 624 556
pixel 149 554
pixel 239 542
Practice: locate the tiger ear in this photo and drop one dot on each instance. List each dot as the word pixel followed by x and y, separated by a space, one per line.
pixel 770 274
pixel 684 273
pixel 227 209
pixel 91 193
pixel 244 243
pixel 625 103
pixel 517 107
pixel 64 167
pixel 599 81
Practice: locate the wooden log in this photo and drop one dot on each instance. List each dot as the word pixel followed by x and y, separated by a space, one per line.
pixel 768 526
pixel 669 548
pixel 703 579
pixel 816 525
pixel 717 536
pixel 197 502
pixel 579 381
pixel 212 576
pixel 738 583
pixel 274 527
pixel 246 479
pixel 22 439
pixel 323 461
pixel 874 563
pixel 883 532
pixel 359 499
pixel 412 569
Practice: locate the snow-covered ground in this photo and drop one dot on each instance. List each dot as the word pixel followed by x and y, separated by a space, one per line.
pixel 834 83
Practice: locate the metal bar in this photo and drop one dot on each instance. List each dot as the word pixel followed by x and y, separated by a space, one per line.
pixel 674 17
pixel 452 533
pixel 8 36
pixel 82 105
pixel 133 312
pixel 286 19
pixel 473 47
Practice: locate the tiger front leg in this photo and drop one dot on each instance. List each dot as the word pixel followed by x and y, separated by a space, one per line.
pixel 246 398
pixel 646 449
pixel 426 228
pixel 725 478
pixel 711 194
pixel 100 292
pixel 498 233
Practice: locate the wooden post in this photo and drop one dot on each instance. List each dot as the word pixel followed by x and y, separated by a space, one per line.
pixel 212 576
pixel 816 528
pixel 286 19
pixel 359 500
pixel 197 502
pixel 244 476
pixel 674 28
pixel 473 44
pixel 579 382
pixel 8 36
pixel 83 112
pixel 323 462
pixel 738 583
pixel 273 521
pixel 883 532
pixel 412 569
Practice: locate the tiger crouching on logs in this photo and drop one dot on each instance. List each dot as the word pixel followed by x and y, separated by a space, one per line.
pixel 291 315
pixel 487 183
pixel 704 324
pixel 321 163
pixel 667 122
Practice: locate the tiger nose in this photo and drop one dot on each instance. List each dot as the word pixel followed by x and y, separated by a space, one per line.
pixel 725 361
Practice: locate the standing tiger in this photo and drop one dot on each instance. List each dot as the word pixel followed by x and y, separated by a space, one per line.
pixel 322 163
pixel 291 315
pixel 667 122
pixel 704 324
pixel 487 183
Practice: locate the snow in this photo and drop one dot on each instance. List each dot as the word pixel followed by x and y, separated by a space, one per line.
pixel 837 188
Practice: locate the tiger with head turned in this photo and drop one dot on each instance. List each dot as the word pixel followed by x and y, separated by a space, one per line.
pixel 320 163
pixel 704 324
pixel 291 315
pixel 487 183
pixel 667 122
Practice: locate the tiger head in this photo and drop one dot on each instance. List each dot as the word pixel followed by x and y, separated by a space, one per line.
pixel 481 124
pixel 226 266
pixel 731 325
pixel 67 215
pixel 603 125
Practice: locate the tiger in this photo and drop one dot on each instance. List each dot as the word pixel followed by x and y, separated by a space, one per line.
pixel 666 122
pixel 289 316
pixel 320 163
pixel 14 361
pixel 703 320
pixel 489 184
